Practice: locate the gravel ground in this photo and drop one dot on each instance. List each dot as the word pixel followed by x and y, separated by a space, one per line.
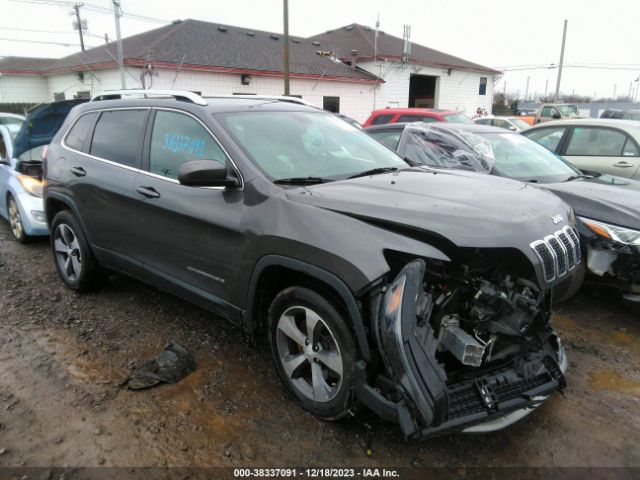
pixel 63 355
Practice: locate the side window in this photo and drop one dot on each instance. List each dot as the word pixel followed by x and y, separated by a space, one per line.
pixel 177 138
pixel 484 121
pixel 547 111
pixel 547 137
pixel 483 86
pixel 601 142
pixel 382 119
pixel 389 139
pixel 80 130
pixel 118 136
pixel 630 149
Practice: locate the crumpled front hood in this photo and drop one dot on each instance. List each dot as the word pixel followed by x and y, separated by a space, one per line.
pixel 609 199
pixel 466 208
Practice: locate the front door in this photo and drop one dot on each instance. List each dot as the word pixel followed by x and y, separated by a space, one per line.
pixel 190 236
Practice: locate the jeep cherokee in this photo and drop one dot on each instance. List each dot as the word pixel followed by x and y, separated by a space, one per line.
pixel 424 295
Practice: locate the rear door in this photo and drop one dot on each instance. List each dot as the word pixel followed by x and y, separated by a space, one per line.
pixel 103 165
pixel 602 149
pixel 191 237
pixel 5 167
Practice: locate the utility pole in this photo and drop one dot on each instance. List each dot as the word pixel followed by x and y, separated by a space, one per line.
pixel 564 38
pixel 117 11
pixel 615 87
pixel 76 9
pixel 546 87
pixel 526 92
pixel 286 46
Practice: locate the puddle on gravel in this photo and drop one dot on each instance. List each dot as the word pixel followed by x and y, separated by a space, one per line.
pixel 613 381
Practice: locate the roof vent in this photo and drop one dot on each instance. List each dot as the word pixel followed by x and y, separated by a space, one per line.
pixel 315 43
pixel 295 40
pixel 367 28
pixel 175 22
pixel 221 28
pixel 350 27
pixel 329 31
pixel 274 36
pixel 250 34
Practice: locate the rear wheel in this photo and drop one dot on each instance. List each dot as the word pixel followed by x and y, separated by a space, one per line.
pixel 313 351
pixel 15 221
pixel 74 261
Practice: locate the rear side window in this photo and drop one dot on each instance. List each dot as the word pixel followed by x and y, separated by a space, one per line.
pixel 602 142
pixel 382 119
pixel 416 118
pixel 118 136
pixel 178 138
pixel 78 133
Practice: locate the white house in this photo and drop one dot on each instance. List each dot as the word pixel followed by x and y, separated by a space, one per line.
pixel 215 59
pixel 413 75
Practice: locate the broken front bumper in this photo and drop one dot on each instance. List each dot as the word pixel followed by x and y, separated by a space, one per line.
pixel 428 401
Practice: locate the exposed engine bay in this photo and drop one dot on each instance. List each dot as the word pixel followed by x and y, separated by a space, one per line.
pixel 466 344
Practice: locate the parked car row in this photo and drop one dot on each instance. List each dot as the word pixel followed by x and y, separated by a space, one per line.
pixel 418 284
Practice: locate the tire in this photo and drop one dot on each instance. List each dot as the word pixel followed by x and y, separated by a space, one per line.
pixel 320 373
pixel 74 261
pixel 15 220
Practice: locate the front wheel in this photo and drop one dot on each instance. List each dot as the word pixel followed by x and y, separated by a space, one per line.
pixel 15 221
pixel 74 261
pixel 313 351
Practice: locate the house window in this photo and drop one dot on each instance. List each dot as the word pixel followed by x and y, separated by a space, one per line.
pixel 483 86
pixel 331 104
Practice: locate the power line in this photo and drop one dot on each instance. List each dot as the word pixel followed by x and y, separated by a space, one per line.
pixel 54 32
pixel 64 44
pixel 96 9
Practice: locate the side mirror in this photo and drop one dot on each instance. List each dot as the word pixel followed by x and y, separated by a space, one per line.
pixel 556 116
pixel 205 173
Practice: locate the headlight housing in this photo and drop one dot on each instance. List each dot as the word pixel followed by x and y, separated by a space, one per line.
pixel 31 185
pixel 623 235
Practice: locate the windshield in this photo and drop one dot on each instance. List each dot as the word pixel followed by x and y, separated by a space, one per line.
pixel 456 118
pixel 521 124
pixel 522 159
pixel 440 148
pixel 13 124
pixel 568 110
pixel 295 145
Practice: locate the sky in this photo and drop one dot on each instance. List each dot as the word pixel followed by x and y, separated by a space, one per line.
pixel 498 33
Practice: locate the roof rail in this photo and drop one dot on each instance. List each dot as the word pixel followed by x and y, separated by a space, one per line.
pixel 177 94
pixel 282 98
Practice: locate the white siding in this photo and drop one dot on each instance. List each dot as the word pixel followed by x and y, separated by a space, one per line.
pixel 22 89
pixel 97 81
pixel 458 91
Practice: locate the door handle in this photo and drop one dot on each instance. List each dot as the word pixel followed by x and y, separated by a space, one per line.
pixel 78 171
pixel 148 192
pixel 622 164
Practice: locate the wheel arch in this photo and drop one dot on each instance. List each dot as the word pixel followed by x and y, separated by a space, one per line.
pixel 267 280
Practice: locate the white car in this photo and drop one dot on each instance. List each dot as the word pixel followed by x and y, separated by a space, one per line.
pixel 514 124
pixel 593 145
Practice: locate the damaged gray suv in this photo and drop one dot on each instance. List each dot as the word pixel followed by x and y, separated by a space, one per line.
pixel 423 295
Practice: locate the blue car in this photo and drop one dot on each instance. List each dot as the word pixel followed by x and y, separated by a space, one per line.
pixel 21 154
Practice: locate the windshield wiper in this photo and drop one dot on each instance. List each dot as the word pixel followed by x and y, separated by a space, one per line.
pixel 374 171
pixel 301 180
pixel 576 177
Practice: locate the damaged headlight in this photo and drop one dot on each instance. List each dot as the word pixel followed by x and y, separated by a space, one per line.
pixel 622 235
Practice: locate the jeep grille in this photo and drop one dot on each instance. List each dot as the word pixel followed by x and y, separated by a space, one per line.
pixel 559 253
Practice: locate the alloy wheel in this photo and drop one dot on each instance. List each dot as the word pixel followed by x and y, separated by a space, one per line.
pixel 14 219
pixel 67 252
pixel 309 354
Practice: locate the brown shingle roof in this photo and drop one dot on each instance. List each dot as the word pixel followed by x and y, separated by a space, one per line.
pixel 358 37
pixel 207 46
pixel 25 64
